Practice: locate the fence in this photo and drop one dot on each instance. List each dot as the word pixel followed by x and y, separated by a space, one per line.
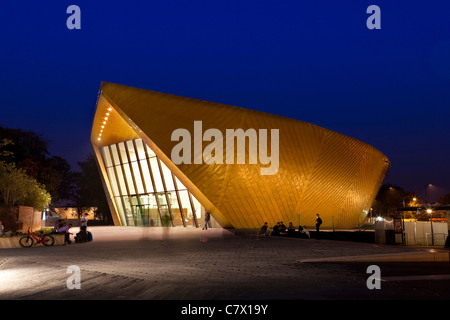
pixel 418 233
pixel 415 233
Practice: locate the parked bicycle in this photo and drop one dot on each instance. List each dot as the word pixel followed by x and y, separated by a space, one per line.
pixel 32 238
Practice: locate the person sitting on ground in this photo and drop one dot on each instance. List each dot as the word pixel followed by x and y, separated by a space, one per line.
pixel 82 236
pixel 276 230
pixel 265 229
pixel 305 233
pixel 282 228
pixel 291 230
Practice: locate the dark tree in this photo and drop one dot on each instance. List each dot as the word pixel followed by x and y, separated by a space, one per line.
pixel 29 152
pixel 444 200
pixel 89 191
pixel 390 198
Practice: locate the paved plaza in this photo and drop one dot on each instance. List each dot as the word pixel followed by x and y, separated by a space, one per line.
pixel 189 264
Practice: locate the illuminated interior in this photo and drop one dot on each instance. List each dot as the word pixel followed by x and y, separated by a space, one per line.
pixel 145 190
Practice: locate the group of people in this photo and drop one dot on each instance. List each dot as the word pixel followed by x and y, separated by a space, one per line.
pixel 280 229
pixel 62 227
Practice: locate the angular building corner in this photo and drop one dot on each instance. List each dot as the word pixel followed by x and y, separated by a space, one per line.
pixel 318 172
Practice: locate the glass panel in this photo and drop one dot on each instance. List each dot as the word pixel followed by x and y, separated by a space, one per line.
pixel 186 208
pixel 149 211
pixel 113 181
pixel 137 177
pixel 119 206
pixel 106 156
pixel 180 186
pixel 150 151
pixel 146 176
pixel 133 188
pixel 164 209
pixel 131 152
pixel 123 152
pixel 155 219
pixel 176 212
pixel 167 177
pixel 199 214
pixel 128 211
pixel 115 154
pixel 123 187
pixel 136 210
pixel 156 175
pixel 140 149
pixel 129 178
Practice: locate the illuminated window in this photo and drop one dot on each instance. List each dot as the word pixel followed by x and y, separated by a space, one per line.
pixel 156 174
pixel 167 177
pixel 144 190
pixel 106 156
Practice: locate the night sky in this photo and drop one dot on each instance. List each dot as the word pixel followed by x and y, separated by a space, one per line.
pixel 315 61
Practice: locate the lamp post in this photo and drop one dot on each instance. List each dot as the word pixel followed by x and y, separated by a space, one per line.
pixel 426 197
pixel 431 225
pixel 430 212
pixel 388 200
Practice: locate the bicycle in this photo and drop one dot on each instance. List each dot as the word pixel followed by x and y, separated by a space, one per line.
pixel 34 238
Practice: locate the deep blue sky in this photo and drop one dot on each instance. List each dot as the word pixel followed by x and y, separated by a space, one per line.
pixel 314 61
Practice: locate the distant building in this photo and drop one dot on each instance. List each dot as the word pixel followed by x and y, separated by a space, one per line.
pixel 72 213
pixel 136 136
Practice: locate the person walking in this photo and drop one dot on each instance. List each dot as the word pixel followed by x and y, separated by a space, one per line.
pixel 318 223
pixel 207 218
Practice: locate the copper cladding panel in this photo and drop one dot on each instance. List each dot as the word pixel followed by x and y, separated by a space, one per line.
pixel 320 171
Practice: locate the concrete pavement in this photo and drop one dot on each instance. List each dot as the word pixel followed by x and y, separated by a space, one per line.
pixel 190 264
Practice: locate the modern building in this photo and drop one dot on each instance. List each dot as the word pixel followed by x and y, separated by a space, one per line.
pixel 165 160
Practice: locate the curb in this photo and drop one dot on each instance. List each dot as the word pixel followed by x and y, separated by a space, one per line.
pixel 394 257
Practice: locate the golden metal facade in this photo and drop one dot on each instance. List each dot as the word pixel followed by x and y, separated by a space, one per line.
pixel 320 171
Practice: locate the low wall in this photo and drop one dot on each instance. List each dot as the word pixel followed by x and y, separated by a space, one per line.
pixel 20 218
pixel 13 242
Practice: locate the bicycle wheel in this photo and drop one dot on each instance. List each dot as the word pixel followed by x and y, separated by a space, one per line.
pixel 26 241
pixel 48 240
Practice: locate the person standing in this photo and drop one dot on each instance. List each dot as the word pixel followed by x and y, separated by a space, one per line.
pixel 318 223
pixel 84 220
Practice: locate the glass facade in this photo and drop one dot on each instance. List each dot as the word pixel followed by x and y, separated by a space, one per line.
pixel 145 191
